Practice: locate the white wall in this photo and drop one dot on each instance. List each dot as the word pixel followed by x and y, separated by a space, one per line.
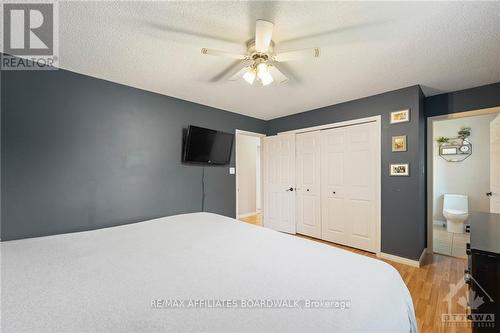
pixel 246 164
pixel 472 176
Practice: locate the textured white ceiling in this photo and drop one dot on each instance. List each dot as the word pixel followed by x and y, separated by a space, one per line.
pixel 367 48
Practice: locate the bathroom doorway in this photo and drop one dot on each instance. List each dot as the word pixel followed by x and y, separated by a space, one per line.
pixel 461 174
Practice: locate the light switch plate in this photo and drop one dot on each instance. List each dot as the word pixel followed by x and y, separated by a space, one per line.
pixel 232 171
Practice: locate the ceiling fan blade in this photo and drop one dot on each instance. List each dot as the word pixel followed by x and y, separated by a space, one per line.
pixel 223 54
pixel 263 35
pixel 341 34
pixel 239 72
pixel 162 30
pixel 298 54
pixel 277 74
pixel 230 71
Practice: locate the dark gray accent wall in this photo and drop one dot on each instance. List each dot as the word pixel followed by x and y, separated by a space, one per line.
pixel 482 97
pixel 79 153
pixel 403 198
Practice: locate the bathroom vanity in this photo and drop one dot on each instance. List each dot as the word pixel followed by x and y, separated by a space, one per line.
pixel 483 273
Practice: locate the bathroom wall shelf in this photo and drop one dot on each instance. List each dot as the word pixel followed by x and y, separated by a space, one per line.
pixel 457 150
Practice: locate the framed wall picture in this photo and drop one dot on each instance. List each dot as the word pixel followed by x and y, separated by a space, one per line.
pixel 401 116
pixel 400 169
pixel 399 143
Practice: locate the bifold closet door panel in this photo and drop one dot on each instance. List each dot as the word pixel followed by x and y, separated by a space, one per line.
pixel 361 179
pixel 334 217
pixel 308 173
pixel 348 175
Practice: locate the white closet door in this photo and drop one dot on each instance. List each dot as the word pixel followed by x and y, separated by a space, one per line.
pixel 362 181
pixel 495 165
pixel 349 173
pixel 279 182
pixel 308 183
pixel 334 199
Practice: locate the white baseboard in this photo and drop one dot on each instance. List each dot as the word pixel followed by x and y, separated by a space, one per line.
pixel 402 260
pixel 247 215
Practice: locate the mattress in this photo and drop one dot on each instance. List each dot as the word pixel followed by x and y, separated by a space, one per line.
pixel 193 273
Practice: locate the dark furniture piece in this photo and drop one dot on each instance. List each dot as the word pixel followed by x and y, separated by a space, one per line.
pixel 483 274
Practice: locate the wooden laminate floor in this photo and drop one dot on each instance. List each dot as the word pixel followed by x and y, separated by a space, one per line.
pixel 428 285
pixel 253 219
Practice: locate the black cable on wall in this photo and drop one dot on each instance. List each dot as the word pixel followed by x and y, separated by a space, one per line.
pixel 203 189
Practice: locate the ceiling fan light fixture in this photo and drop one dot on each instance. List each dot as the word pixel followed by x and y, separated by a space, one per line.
pixel 264 75
pixel 249 76
pixel 260 60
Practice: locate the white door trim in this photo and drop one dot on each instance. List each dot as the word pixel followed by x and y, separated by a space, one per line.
pixel 378 150
pixel 247 133
pixel 378 153
pixel 430 164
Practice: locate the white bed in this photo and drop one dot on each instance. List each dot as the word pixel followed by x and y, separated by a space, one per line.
pixel 105 281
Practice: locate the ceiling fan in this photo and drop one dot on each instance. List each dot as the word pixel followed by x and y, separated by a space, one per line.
pixel 261 62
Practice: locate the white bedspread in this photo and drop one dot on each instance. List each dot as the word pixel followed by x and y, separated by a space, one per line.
pixel 105 281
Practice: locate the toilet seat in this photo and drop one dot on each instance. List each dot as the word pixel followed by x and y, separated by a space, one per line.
pixel 455 212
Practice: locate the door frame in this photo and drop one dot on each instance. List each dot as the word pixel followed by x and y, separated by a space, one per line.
pixel 260 136
pixel 378 181
pixel 430 163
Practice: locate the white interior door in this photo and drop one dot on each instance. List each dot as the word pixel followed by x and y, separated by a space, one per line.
pixel 495 165
pixel 349 200
pixel 279 182
pixel 308 183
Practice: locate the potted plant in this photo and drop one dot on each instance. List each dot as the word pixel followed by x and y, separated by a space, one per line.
pixel 442 140
pixel 464 133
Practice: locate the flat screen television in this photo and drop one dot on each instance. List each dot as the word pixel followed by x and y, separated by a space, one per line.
pixel 206 146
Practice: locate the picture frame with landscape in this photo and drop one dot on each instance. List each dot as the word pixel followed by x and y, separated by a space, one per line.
pixel 399 143
pixel 400 116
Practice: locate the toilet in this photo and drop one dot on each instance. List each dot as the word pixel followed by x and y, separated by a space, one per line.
pixel 456 212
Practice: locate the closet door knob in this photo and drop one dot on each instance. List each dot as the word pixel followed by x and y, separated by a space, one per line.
pixel 334 192
pixel 489 194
